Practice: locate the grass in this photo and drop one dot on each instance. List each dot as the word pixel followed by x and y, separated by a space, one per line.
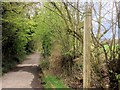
pixel 53 82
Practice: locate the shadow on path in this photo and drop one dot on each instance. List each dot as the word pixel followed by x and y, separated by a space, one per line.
pixel 25 75
pixel 35 70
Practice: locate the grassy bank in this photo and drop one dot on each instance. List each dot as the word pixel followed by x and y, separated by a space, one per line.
pixel 51 81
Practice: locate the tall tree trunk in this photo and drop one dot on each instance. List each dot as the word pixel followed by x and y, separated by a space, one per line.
pixel 119 37
pixel 86 62
pixel 119 26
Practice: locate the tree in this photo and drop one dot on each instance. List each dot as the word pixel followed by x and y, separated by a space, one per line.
pixel 119 37
pixel 17 31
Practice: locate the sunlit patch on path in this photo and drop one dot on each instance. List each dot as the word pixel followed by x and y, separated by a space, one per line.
pixel 25 75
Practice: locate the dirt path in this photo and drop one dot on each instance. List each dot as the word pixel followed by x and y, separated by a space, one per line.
pixel 25 75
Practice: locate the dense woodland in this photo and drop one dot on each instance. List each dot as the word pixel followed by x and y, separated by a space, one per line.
pixel 57 30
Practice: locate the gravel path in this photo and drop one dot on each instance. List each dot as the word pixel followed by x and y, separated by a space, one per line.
pixel 25 75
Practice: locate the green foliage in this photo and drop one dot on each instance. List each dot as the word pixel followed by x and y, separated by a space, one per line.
pixel 44 64
pixel 46 30
pixel 53 82
pixel 46 45
pixel 18 33
pixel 118 77
pixel 47 24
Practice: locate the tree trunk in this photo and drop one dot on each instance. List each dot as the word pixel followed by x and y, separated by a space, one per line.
pixel 119 27
pixel 86 62
pixel 119 36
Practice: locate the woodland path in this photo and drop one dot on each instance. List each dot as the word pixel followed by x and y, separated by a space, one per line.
pixel 25 75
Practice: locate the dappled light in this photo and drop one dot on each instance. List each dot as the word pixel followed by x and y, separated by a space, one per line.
pixel 61 45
